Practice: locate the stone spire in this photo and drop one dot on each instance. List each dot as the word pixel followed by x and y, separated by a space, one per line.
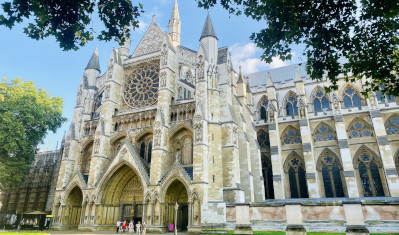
pixel 175 26
pixel 94 62
pixel 208 30
pixel 269 82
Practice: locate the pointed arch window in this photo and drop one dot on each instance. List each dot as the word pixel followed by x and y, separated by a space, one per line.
pixel 149 152
pixel 332 173
pixel 263 139
pixel 142 150
pixel 295 169
pixel 351 99
pixel 291 136
pixel 392 126
pixel 267 176
pixel 359 129
pixel 324 132
pixel 263 109
pixel 187 151
pixel 291 105
pixel 320 102
pixel 369 169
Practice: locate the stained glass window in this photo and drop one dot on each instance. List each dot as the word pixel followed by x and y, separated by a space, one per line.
pixel 352 99
pixel 141 86
pixel 291 136
pixel 370 175
pixel 360 129
pixel 332 174
pixel 267 176
pixel 324 133
pixel 295 167
pixel 320 102
pixel 392 126
pixel 292 106
pixel 263 139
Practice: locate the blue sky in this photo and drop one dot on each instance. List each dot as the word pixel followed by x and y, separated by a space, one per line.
pixel 60 72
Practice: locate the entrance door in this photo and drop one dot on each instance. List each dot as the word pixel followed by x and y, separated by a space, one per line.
pixel 126 213
pixel 184 217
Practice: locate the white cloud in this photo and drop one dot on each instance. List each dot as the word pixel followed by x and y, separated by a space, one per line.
pixel 248 56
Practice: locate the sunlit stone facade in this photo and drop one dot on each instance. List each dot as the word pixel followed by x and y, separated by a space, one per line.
pixel 169 124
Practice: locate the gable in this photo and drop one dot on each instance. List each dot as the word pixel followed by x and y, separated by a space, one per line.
pixel 151 41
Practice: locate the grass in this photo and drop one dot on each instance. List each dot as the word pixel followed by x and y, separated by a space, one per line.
pixel 23 233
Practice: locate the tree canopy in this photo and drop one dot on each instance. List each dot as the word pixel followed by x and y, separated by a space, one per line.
pixel 26 114
pixel 356 38
pixel 340 36
pixel 69 21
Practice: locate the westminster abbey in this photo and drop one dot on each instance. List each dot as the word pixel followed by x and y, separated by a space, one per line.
pixel 172 135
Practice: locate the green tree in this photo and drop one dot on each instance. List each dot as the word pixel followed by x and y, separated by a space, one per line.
pixel 26 114
pixel 339 36
pixel 69 21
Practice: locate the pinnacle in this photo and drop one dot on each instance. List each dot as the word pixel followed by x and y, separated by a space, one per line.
pixel 208 30
pixel 94 62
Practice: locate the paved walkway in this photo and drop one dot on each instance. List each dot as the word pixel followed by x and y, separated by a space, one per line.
pixel 74 232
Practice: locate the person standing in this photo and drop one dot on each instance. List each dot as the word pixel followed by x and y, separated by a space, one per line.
pixel 124 225
pixel 144 228
pixel 118 225
pixel 131 226
pixel 138 228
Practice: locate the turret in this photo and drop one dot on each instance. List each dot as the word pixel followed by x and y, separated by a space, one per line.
pixel 92 70
pixel 210 41
pixel 175 26
pixel 124 49
pixel 241 85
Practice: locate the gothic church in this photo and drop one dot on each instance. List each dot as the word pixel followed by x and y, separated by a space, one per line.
pixel 171 135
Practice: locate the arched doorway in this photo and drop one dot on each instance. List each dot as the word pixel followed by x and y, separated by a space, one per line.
pixel 121 197
pixel 73 208
pixel 177 192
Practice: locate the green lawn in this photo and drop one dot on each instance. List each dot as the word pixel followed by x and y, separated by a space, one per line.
pixel 24 233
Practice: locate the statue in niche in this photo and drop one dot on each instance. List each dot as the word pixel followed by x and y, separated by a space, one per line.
pixel 79 99
pixel 301 107
pixel 373 99
pixel 164 55
pixel 66 150
pixel 96 146
pixel 110 68
pixel 335 101
pixel 107 91
pixel 177 156
pixel 198 132
pixel 200 67
pixel 162 77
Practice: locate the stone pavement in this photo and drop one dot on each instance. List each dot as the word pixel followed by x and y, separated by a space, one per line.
pixel 74 232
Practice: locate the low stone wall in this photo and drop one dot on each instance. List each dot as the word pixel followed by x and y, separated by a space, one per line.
pixel 338 215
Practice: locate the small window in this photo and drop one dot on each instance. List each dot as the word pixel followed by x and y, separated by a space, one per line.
pixel 352 99
pixel 291 136
pixel 392 126
pixel 360 129
pixel 292 106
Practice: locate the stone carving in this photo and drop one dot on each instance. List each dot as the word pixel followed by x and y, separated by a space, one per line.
pixel 201 67
pixel 162 78
pixel 335 101
pixel 373 100
pixel 157 134
pixel 97 145
pixel 124 151
pixel 164 55
pixel 271 109
pixel 107 91
pixel 301 107
pixel 151 42
pixel 198 129
pixel 66 149
pixel 110 68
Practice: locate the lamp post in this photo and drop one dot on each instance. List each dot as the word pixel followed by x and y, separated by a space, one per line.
pixel 176 208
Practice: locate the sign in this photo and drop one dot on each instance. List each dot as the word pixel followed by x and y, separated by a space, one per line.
pixel 49 216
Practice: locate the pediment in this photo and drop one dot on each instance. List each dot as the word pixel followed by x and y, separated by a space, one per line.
pixel 151 41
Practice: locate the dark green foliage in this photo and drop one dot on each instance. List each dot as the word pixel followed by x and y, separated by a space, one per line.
pixel 68 21
pixel 339 36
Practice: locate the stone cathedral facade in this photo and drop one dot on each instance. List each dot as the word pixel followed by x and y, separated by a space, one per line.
pixel 166 124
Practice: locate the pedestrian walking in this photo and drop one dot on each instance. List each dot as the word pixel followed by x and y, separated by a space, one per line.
pixel 144 228
pixel 131 230
pixel 118 225
pixel 138 228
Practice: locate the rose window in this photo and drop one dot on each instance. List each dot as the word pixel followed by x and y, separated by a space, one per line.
pixel 141 87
